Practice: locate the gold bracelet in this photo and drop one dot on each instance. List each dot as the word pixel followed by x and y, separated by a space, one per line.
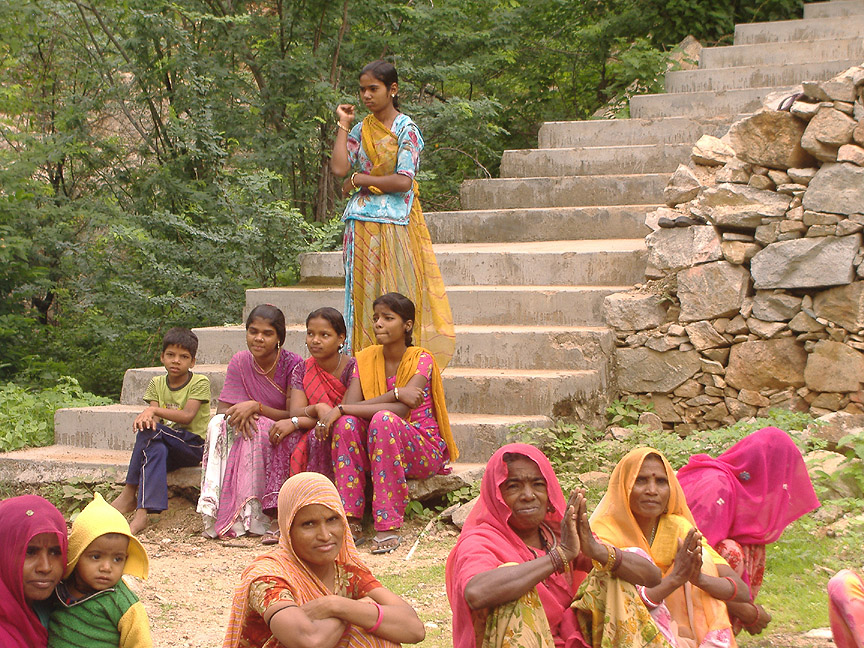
pixel 567 566
pixel 339 124
pixel 610 560
pixel 352 180
pixel 396 393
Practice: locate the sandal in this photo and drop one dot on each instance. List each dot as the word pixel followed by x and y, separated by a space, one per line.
pixel 386 544
pixel 270 538
pixel 356 527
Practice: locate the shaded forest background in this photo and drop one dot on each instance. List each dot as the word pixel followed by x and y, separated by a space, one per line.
pixel 158 157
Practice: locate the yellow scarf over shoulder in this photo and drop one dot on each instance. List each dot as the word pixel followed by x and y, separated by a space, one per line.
pixel 373 381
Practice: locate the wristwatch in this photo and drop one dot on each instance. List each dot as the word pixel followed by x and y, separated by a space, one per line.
pixel 296 422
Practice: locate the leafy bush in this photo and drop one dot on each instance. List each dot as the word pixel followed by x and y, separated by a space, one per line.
pixel 27 416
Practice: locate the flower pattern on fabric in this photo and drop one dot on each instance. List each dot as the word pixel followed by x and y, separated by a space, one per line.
pixel 519 623
pixel 391 450
pixel 612 615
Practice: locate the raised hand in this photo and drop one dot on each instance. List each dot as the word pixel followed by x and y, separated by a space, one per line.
pixel 570 538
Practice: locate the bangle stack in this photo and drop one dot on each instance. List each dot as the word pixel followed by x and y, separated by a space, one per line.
pixel 557 562
pixel 610 560
pixel 380 618
pixel 644 592
pixel 619 558
pixel 564 560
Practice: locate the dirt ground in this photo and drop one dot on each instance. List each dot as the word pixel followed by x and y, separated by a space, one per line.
pixel 192 580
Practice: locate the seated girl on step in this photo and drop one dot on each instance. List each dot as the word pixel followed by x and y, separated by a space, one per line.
pixel 396 424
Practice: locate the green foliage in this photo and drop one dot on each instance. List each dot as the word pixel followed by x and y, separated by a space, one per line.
pixel 158 158
pixel 850 470
pixel 575 449
pixel 626 412
pixel 27 416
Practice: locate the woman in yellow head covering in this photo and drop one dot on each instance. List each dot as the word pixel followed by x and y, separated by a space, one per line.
pixel 313 590
pixel 645 508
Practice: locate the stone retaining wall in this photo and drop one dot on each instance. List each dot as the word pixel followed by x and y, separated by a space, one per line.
pixel 760 303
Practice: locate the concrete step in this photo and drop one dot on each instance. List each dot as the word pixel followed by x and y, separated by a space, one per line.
pixel 498 305
pixel 86 432
pixel 833 9
pixel 479 346
pixel 624 132
pixel 753 76
pixel 540 224
pixel 518 392
pixel 720 103
pixel 565 191
pixel 611 262
pixel 832 49
pixel 594 160
pixel 63 463
pixel 789 31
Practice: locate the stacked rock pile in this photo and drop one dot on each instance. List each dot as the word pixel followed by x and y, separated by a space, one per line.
pixel 757 301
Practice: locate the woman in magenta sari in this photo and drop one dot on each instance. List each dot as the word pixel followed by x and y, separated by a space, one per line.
pixel 240 453
pixel 32 560
pixel 742 501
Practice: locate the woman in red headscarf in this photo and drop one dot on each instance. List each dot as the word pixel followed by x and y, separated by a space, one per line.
pixel 33 537
pixel 742 501
pixel 516 568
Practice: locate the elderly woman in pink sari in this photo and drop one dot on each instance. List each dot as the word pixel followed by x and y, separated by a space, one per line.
pixel 742 501
pixel 241 451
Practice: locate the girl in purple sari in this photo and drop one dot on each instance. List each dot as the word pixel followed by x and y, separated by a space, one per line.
pixel 240 452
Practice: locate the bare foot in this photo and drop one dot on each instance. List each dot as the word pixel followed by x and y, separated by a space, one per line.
pixel 127 500
pixel 139 521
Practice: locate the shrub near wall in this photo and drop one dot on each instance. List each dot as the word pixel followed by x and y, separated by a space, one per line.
pixel 760 304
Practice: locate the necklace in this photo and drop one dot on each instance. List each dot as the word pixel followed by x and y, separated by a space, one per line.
pixel 653 533
pixel 260 370
pixel 336 368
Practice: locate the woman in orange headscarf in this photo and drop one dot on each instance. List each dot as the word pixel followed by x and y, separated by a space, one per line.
pixel 645 509
pixel 313 591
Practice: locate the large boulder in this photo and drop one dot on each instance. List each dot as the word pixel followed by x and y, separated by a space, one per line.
pixel 703 336
pixel 834 367
pixel 826 132
pixel 736 206
pixel 682 247
pixel 633 311
pixel 843 305
pixel 711 290
pixel 766 364
pixel 642 370
pixel 806 263
pixel 771 138
pixel 836 189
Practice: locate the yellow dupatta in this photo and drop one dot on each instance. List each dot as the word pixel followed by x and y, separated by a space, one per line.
pixel 373 381
pixel 386 257
pixel 695 612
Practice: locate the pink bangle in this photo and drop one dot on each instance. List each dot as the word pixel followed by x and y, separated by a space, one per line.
pixel 735 585
pixel 380 618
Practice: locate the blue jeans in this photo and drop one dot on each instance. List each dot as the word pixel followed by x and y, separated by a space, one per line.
pixel 156 453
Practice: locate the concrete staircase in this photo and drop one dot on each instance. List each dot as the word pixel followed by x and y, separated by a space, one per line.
pixel 533 253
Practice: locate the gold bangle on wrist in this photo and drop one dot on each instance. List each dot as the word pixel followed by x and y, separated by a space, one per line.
pixel 353 184
pixel 339 124
pixel 396 393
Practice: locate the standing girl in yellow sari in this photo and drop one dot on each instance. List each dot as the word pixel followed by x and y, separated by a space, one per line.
pixel 387 247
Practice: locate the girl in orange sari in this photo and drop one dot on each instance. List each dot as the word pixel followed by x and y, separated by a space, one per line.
pixel 387 247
